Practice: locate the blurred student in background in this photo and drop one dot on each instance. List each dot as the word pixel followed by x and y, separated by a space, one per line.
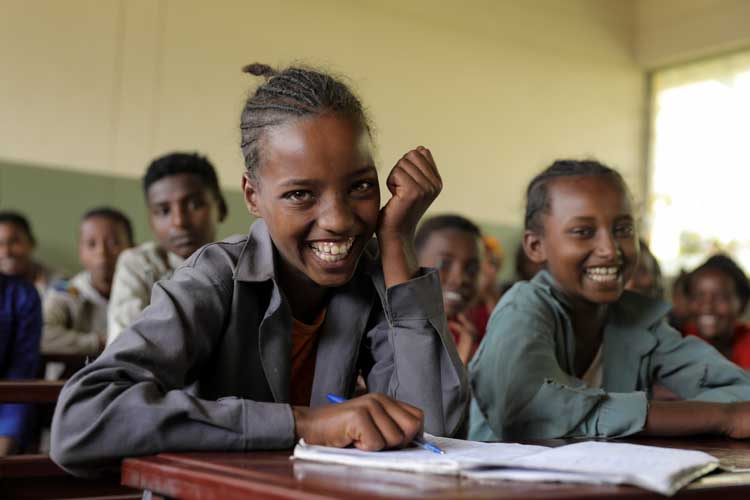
pixel 17 245
pixel 185 206
pixel 680 312
pixel 20 330
pixel 525 269
pixel 647 278
pixel 450 244
pixel 75 311
pixel 489 290
pixel 718 293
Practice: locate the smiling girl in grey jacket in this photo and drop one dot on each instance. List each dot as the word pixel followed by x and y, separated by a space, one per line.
pixel 239 349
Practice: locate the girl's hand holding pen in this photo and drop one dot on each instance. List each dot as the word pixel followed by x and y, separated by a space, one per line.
pixel 419 441
pixel 371 422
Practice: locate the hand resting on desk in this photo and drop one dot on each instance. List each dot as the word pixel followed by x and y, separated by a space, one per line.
pixel 684 418
pixel 371 422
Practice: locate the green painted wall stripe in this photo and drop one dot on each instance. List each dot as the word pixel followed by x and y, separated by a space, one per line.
pixel 55 199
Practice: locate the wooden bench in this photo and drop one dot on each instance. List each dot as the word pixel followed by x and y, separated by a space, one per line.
pixel 30 391
pixel 71 363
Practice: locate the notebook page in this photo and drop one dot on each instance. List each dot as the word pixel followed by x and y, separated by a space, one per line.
pixel 538 476
pixel 459 454
pixel 664 470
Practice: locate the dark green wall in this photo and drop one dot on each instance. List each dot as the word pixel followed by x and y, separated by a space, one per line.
pixel 54 199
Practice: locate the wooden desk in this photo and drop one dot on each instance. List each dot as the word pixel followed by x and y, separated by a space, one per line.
pixel 209 476
pixel 30 391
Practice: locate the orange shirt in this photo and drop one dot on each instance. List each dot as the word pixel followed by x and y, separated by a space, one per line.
pixel 304 349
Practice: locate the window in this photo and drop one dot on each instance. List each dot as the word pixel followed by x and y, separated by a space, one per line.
pixel 700 162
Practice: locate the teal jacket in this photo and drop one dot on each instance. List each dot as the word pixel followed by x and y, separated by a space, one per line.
pixel 522 373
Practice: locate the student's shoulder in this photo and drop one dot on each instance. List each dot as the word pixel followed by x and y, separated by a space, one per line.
pixel 220 257
pixel 145 254
pixel 639 311
pixel 67 290
pixel 536 295
pixel 532 303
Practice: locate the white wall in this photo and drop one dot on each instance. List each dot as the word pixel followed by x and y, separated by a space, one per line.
pixel 498 89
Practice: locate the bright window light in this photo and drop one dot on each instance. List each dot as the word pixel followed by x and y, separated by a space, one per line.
pixel 700 162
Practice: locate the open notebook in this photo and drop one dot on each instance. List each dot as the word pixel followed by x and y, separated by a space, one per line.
pixel 663 470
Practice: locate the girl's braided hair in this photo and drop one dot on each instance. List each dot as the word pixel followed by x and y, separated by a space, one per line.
pixel 292 93
pixel 537 195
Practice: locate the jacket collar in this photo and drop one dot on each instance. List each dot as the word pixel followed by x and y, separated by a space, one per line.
pixel 340 339
pixel 256 260
pixel 632 310
pixel 627 333
pixel 341 334
pixel 628 339
pixel 82 282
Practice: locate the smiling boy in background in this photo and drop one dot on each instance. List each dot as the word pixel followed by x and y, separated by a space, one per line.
pixel 185 205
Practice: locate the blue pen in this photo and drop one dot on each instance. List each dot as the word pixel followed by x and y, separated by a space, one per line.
pixel 417 440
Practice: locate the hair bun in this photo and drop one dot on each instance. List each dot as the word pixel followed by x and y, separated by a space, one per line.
pixel 259 69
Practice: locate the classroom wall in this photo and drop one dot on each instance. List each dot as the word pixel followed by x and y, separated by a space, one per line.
pixel 52 199
pixel 497 89
pixel 673 31
pixel 60 190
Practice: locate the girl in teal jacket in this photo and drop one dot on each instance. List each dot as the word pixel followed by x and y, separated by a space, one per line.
pixel 571 353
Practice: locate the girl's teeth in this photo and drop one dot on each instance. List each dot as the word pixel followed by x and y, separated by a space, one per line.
pixel 707 321
pixel 603 274
pixel 452 296
pixel 330 251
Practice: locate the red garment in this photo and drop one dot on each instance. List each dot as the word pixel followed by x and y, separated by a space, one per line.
pixel 478 315
pixel 304 349
pixel 740 342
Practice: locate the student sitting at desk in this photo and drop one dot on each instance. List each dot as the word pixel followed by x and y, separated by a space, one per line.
pixel 239 349
pixel 718 293
pixel 489 290
pixel 17 245
pixel 450 244
pixel 185 206
pixel 571 353
pixel 75 311
pixel 647 279
pixel 20 331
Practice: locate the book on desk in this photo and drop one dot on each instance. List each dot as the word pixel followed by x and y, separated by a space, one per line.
pixel 662 470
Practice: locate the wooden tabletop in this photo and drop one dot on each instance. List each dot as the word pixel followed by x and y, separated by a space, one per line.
pixel 272 475
pixel 30 391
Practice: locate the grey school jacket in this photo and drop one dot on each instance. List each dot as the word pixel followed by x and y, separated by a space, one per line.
pixel 522 374
pixel 207 364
